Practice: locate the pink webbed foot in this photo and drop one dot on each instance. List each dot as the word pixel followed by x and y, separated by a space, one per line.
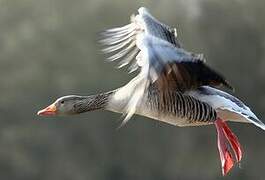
pixel 225 136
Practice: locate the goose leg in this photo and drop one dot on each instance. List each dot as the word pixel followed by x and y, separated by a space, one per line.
pixel 233 141
pixel 225 136
pixel 224 153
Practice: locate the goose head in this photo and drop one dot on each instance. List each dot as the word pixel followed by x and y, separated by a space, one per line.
pixel 73 104
pixel 66 105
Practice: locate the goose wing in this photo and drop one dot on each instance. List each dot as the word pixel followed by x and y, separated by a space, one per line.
pixel 167 63
pixel 121 41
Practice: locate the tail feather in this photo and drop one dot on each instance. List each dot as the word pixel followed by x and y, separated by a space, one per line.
pixel 255 121
pixel 258 123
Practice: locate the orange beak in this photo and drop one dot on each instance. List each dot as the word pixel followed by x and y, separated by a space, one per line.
pixel 48 111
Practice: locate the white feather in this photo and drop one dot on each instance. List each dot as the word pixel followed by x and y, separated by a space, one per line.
pixel 122 40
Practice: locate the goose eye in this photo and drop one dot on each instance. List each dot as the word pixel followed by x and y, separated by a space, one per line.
pixel 62 102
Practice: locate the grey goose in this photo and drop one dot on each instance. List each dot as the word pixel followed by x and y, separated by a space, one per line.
pixel 173 85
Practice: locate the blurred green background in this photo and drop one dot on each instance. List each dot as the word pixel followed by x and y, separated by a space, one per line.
pixel 49 48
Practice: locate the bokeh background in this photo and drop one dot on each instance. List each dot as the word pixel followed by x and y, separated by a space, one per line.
pixel 49 48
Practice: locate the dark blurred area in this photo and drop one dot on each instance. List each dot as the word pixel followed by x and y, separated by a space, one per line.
pixel 49 48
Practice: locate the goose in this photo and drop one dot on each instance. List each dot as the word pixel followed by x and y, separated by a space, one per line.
pixel 173 86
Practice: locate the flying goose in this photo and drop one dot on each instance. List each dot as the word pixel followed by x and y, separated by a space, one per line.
pixel 173 85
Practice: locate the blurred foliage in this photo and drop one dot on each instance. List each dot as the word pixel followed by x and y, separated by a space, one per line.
pixel 48 48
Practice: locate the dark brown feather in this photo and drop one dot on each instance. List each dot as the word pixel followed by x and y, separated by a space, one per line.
pixel 189 75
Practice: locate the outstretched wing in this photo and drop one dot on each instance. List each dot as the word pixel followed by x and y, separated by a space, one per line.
pixel 121 41
pixel 175 67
